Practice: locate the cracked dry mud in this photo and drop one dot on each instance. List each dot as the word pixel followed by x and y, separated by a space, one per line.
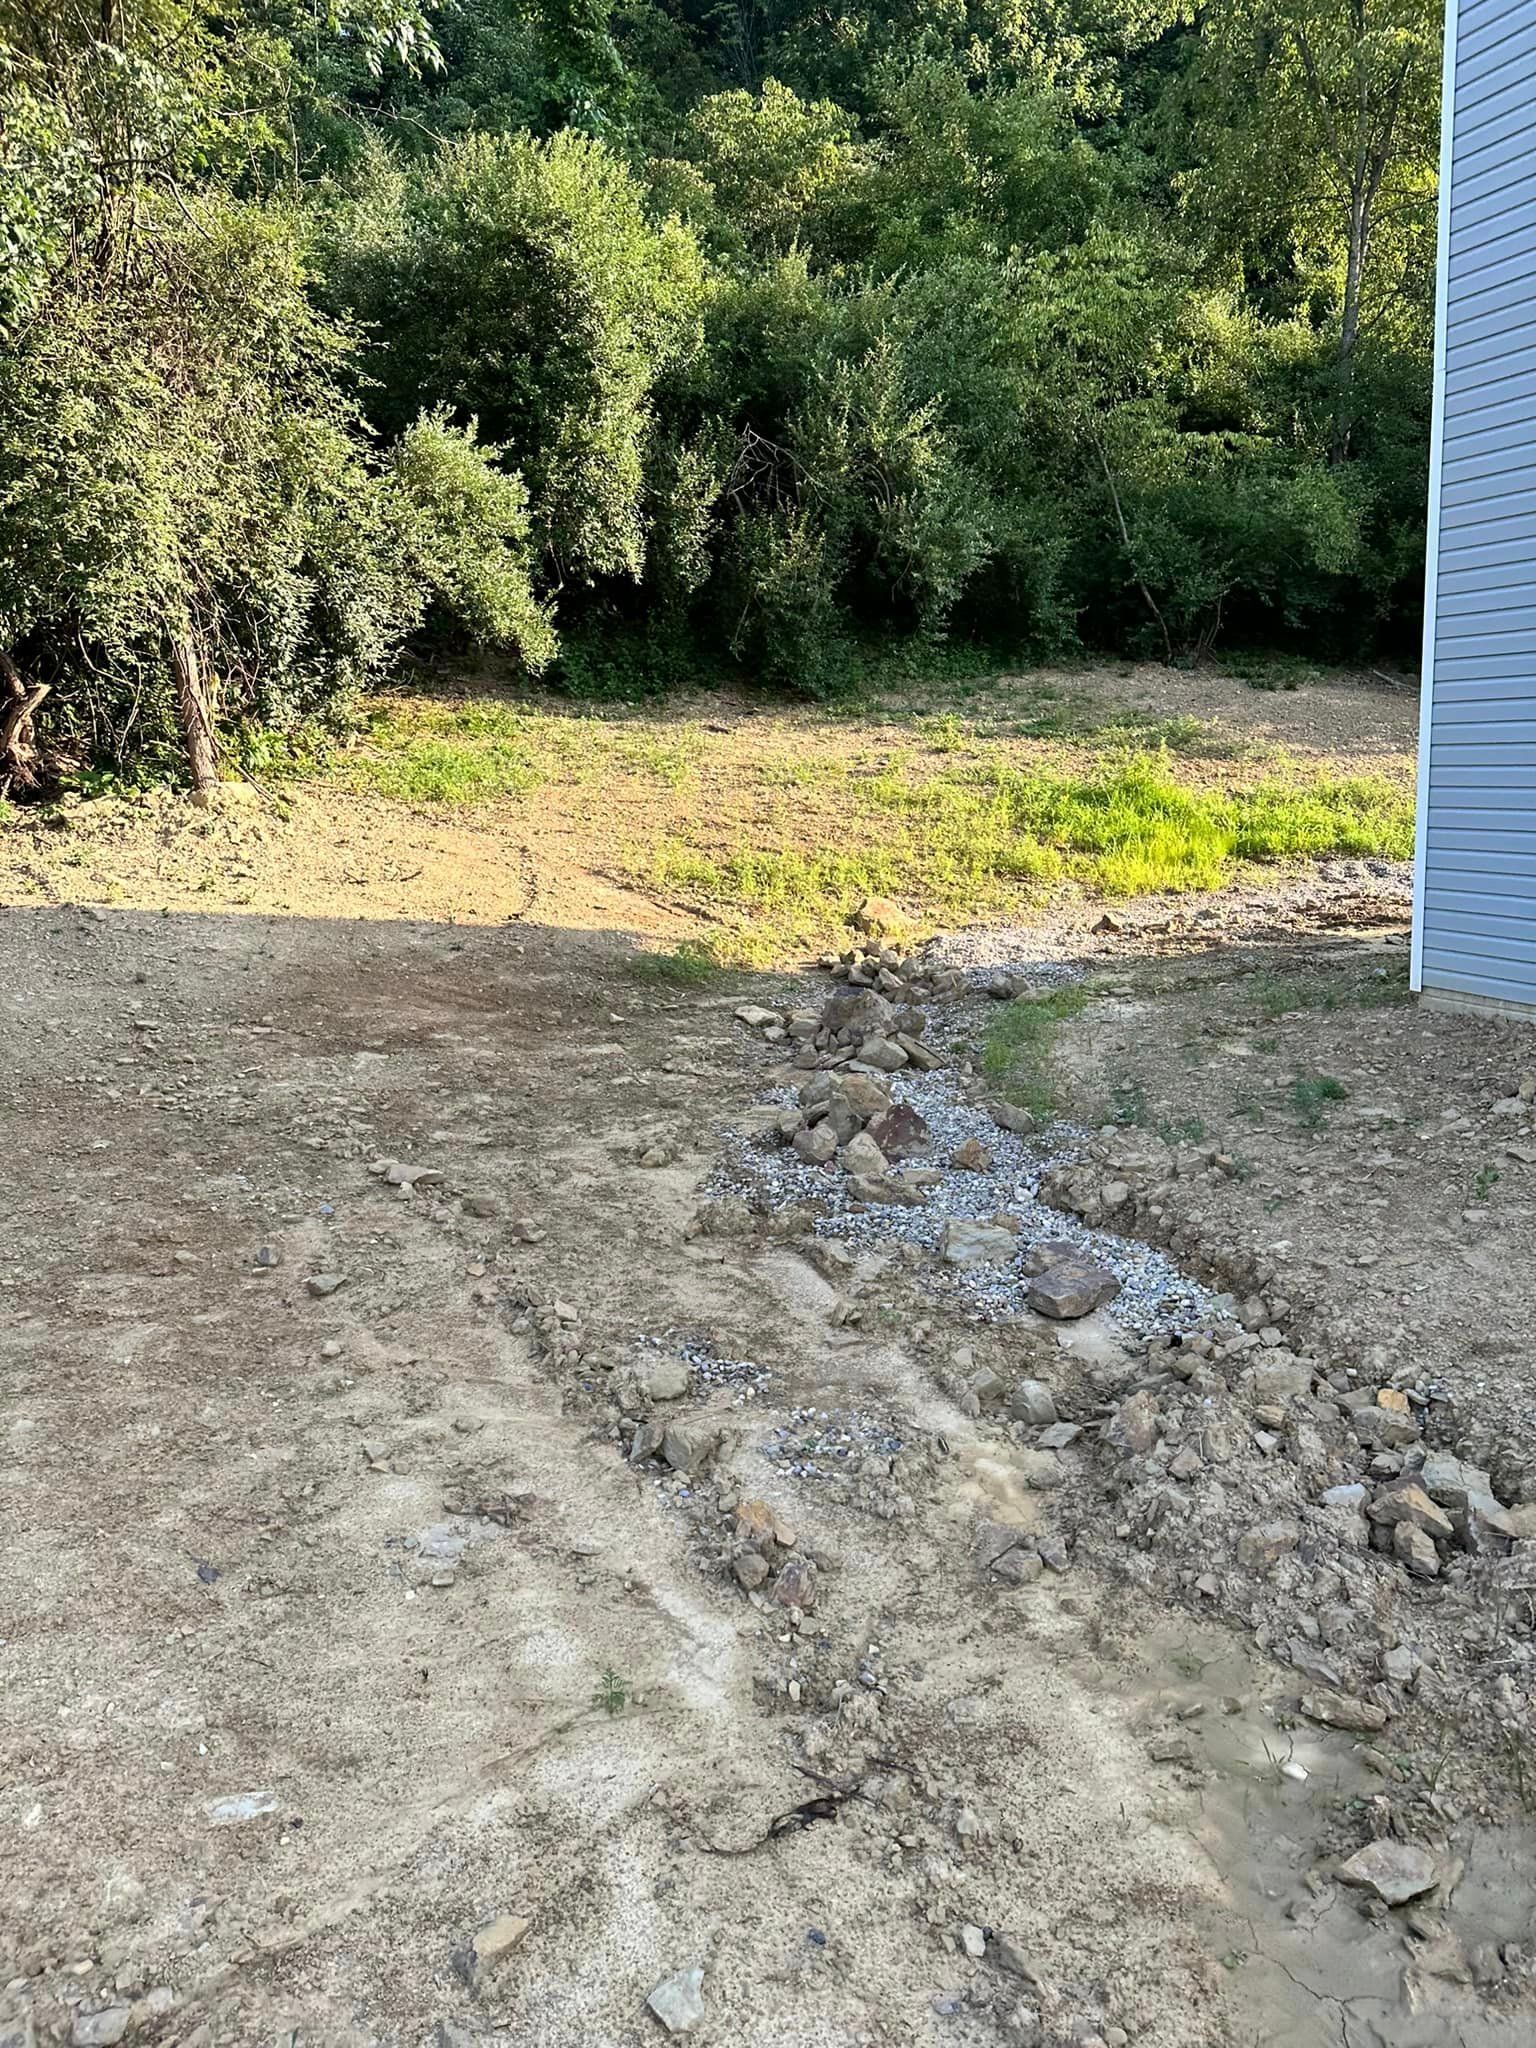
pixel 244 1564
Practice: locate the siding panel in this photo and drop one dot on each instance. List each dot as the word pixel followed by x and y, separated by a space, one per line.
pixel 1478 880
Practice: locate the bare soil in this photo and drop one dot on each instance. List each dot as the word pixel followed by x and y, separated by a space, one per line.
pixel 314 1593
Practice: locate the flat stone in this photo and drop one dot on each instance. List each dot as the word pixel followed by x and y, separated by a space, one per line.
pixel 964 1242
pixel 1339 1710
pixel 678 2002
pixel 1059 1435
pixel 885 1191
pixel 1394 1871
pixel 322 1284
pixel 100 2029
pixel 503 1935
pixel 883 1054
pixel 1009 1117
pixel 756 1018
pixel 1072 1287
pixel 901 1133
pixel 1410 1503
pixel 1352 1496
pixel 401 1174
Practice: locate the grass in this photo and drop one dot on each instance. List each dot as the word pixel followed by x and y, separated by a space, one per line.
pixel 690 966
pixel 984 833
pixel 1312 1094
pixel 1016 1057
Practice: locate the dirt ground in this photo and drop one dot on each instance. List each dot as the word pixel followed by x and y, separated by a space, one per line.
pixel 359 1690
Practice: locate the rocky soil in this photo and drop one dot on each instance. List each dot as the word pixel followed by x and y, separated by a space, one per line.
pixel 545 1510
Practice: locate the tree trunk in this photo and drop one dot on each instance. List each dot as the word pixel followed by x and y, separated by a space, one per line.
pixel 1349 326
pixel 18 749
pixel 196 715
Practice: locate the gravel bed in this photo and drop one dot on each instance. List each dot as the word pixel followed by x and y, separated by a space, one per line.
pixel 1155 1295
pixel 816 1443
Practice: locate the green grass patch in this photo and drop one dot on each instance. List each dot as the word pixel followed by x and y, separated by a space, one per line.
pixel 1312 1095
pixel 691 966
pixel 1016 1057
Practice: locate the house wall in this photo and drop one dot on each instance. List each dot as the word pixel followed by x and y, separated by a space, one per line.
pixel 1475 916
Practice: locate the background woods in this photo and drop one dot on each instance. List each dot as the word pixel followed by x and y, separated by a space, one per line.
pixel 649 339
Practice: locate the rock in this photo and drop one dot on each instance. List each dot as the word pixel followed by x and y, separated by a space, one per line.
pixel 973 1941
pixel 1339 1710
pixel 859 1095
pixel 1267 1543
pixel 1410 1503
pixel 863 1157
pixel 1059 1435
pixel 687 1450
pixel 964 1242
pixel 667 1380
pixel 1399 1665
pixel 815 1143
pixel 756 1018
pixel 401 1174
pixel 750 1569
pixel 885 1190
pixel 1010 1955
pixel 900 1132
pixel 856 1011
pixel 883 1054
pixel 971 1156
pixel 1352 1496
pixel 1394 1871
pixel 499 1939
pixel 1072 1287
pixel 796 1584
pixel 1186 1463
pixel 100 2029
pixel 239 1806
pixel 679 2001
pixel 322 1284
pixel 1522 1521
pixel 1133 1429
pixel 1033 1402
pixel 1281 1380
pixel 1018 1566
pixel 1040 1470
pixel 480 1205
pixel 1414 1548
pixel 1009 1117
pixel 880 914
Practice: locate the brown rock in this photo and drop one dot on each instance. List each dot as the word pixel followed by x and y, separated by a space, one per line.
pixel 1394 1871
pixel 1134 1427
pixel 750 1568
pixel 755 1525
pixel 1415 1548
pixel 816 1143
pixel 1339 1710
pixel 900 1132
pixel 1072 1287
pixel 971 1156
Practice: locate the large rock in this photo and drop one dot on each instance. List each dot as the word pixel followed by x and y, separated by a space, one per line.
pixel 1072 1287
pixel 965 1242
pixel 1134 1428
pixel 900 1132
pixel 862 1155
pixel 857 1011
pixel 816 1143
pixel 1033 1402
pixel 1394 1871
pixel 1410 1503
pixel 1267 1543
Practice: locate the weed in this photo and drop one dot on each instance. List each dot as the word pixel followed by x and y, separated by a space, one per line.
pixel 1181 1130
pixel 613 1692
pixel 1310 1096
pixel 1486 1180
pixel 1268 1044
pixel 1128 1103
pixel 691 966
pixel 1018 1049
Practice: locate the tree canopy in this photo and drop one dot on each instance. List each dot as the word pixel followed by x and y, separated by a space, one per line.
pixel 640 338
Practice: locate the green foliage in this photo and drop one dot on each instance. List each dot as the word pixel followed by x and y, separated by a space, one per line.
pixel 521 283
pixel 467 529
pixel 790 332
pixel 1311 1097
pixel 612 1693
pixel 692 965
pixel 1017 1054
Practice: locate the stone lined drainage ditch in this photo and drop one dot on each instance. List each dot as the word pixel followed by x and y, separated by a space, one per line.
pixel 1173 1432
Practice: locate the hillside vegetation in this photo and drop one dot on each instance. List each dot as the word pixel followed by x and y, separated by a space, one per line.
pixel 646 341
